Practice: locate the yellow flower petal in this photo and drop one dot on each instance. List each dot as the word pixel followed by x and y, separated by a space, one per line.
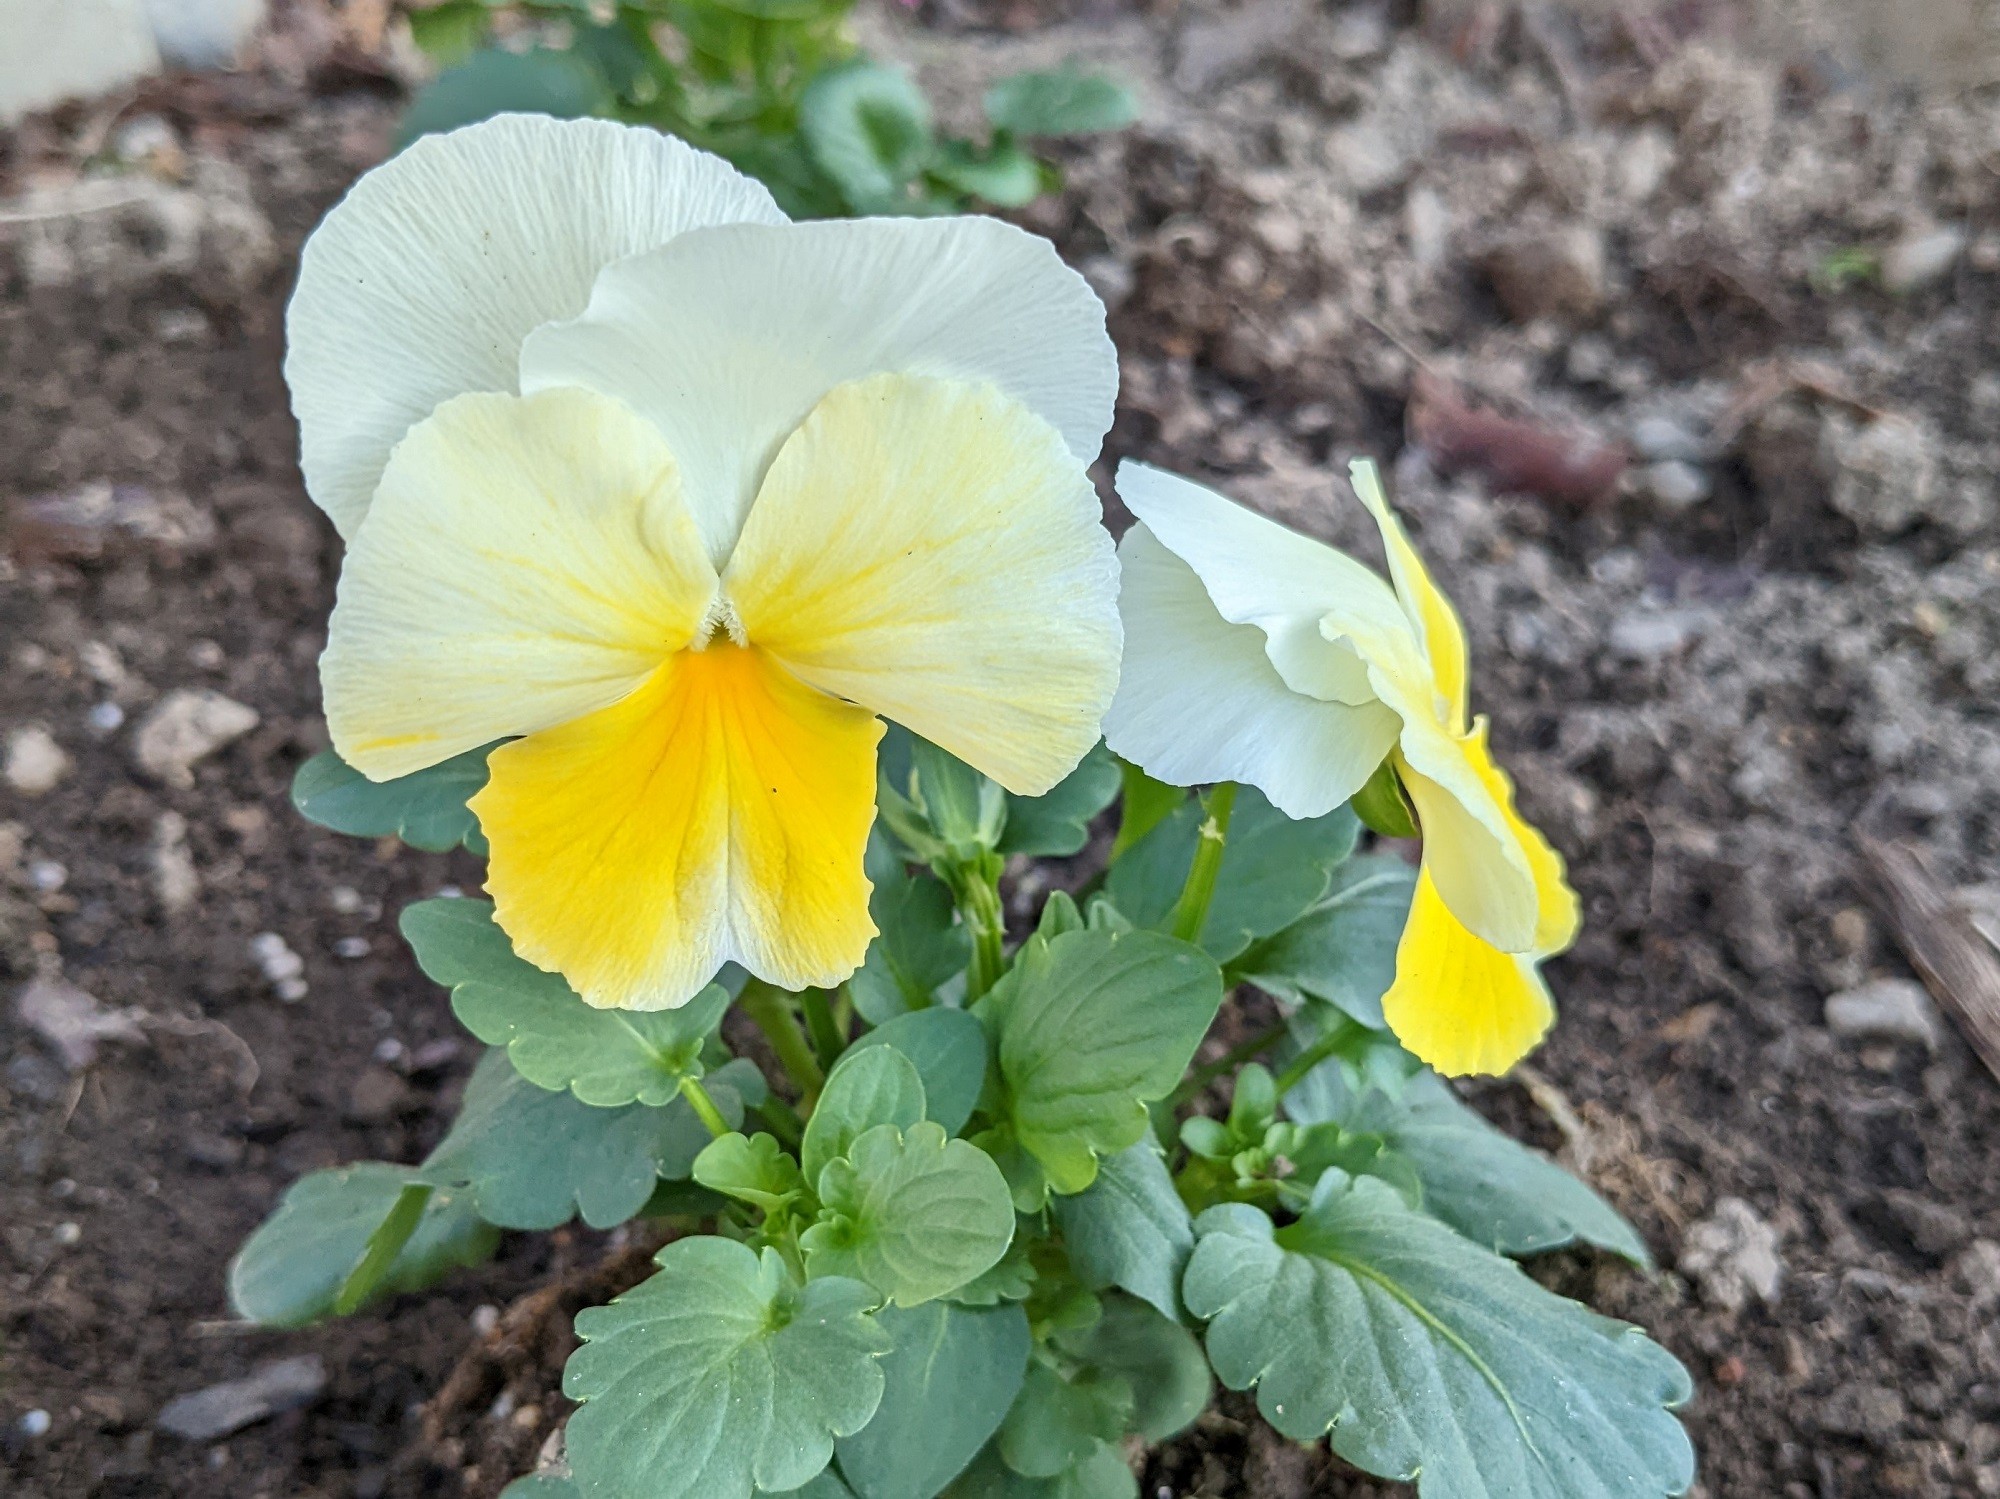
pixel 525 561
pixel 719 812
pixel 932 550
pixel 1436 622
pixel 1492 867
pixel 1459 1003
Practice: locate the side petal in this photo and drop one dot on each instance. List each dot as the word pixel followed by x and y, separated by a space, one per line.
pixel 526 561
pixel 1199 700
pixel 1459 1003
pixel 1324 615
pixel 1492 867
pixel 717 814
pixel 932 550
pixel 1437 623
pixel 727 337
pixel 422 282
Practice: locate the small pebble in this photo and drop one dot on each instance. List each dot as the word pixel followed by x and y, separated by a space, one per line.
pixel 67 1234
pixel 485 1318
pixel 1661 439
pixel 449 892
pixel 186 727
pixel 352 947
pixel 35 763
pixel 284 968
pixel 104 719
pixel 205 654
pixel 1887 1009
pixel 46 876
pixel 35 1423
pixel 345 900
pixel 388 1049
pixel 1677 485
pixel 1921 260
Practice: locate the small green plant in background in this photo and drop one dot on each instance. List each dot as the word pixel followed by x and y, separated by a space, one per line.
pixel 775 87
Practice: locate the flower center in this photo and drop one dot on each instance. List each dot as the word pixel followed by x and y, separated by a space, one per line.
pixel 721 616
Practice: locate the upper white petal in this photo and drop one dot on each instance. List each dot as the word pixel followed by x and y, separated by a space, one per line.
pixel 422 282
pixel 1199 700
pixel 727 337
pixel 1303 595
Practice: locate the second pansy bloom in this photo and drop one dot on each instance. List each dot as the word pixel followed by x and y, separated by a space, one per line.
pixel 1256 654
pixel 678 496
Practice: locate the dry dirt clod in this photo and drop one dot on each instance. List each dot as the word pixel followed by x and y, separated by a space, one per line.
pixel 72 1022
pixel 1558 271
pixel 278 1385
pixel 1885 472
pixel 1887 1010
pixel 1733 1255
pixel 176 884
pixel 35 763
pixel 187 726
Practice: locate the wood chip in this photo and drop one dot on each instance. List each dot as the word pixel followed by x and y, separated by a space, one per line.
pixel 1957 964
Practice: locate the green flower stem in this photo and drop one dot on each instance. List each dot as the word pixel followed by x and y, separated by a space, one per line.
pixel 1191 910
pixel 704 1106
pixel 770 1010
pixel 783 1119
pixel 383 1246
pixel 1310 1058
pixel 827 1038
pixel 977 887
pixel 1200 1077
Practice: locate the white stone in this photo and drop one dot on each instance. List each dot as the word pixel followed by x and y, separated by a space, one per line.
pixel 51 50
pixel 1676 486
pixel 72 1022
pixel 186 727
pixel 1733 1255
pixel 284 968
pixel 36 764
pixel 1886 1009
pixel 1922 259
pixel 176 882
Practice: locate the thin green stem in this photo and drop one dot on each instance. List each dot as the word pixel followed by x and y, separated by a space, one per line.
pixel 1191 910
pixel 783 1119
pixel 770 1010
pixel 827 1038
pixel 978 891
pixel 382 1248
pixel 704 1106
pixel 1229 1061
pixel 1311 1057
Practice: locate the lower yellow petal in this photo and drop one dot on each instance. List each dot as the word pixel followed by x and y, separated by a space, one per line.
pixel 1558 914
pixel 1459 1003
pixel 718 813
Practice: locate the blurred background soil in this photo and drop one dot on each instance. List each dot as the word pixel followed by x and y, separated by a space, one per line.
pixel 1676 325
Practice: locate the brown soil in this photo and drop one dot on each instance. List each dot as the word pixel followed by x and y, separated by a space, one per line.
pixel 1701 703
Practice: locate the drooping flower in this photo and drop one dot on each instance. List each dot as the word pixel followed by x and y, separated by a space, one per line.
pixel 1256 654
pixel 677 496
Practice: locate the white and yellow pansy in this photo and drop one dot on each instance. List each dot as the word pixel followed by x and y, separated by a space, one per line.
pixel 1256 654
pixel 677 496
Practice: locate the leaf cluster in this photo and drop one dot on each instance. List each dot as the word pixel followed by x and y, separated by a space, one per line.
pixel 773 86
pixel 987 1232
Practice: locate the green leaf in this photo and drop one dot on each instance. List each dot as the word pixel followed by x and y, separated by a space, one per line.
pixel 1101 1475
pixel 495 81
pixel 1342 951
pixel 1492 1189
pixel 869 129
pixel 529 1158
pixel 289 1271
pixel 948 1381
pixel 426 809
pixel 868 1086
pixel 1012 1277
pixel 949 1049
pixel 541 1485
pixel 605 1057
pixel 912 1213
pixel 1147 803
pixel 919 944
pixel 1157 1357
pixel 451 32
pixel 752 1169
pixel 1056 1422
pixel 1130 1229
pixel 1423 1354
pixel 719 1376
pixel 1066 101
pixel 825 1484
pixel 1056 824
pixel 1274 870
pixel 1090 1029
pixel 1003 174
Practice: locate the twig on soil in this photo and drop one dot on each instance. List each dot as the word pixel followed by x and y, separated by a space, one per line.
pixel 1957 964
pixel 247 1068
pixel 1515 454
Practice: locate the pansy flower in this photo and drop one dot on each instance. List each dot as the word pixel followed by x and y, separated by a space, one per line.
pixel 676 496
pixel 1256 654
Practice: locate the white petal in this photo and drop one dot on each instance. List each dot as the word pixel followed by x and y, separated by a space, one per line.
pixel 422 282
pixel 1296 590
pixel 1199 700
pixel 727 337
